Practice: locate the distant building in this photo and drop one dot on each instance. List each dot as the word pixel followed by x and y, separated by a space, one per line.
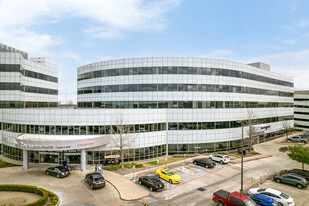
pixel 175 105
pixel 301 110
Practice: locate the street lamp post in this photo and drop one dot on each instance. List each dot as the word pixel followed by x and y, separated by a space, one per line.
pixel 242 156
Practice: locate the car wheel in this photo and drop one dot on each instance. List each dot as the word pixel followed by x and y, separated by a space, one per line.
pixel 194 163
pixel 85 180
pixel 299 186
pixel 151 189
pixel 280 204
pixel 206 166
pixel 170 181
pixel 220 204
pixel 221 162
pixel 91 186
pixel 140 182
pixel 47 173
pixel 58 176
pixel 278 180
pixel 158 175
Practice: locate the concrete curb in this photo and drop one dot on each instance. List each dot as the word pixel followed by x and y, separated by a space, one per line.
pixel 123 198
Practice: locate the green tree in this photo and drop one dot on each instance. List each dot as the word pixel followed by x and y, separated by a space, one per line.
pixel 300 154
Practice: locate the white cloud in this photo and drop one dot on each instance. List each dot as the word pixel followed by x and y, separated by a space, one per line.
pixel 293 64
pixel 108 19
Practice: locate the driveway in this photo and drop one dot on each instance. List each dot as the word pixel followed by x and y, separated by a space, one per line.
pixel 71 190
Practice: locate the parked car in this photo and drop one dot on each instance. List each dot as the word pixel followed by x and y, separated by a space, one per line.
pixel 168 175
pixel 263 200
pixel 292 179
pixel 58 171
pixel 220 158
pixel 95 180
pixel 224 198
pixel 151 182
pixel 280 197
pixel 302 139
pixel 304 173
pixel 204 162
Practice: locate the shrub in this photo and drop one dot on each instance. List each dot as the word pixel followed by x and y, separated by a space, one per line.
pixel 32 189
pixel 139 165
pixel 128 165
pixel 152 163
pixel 114 167
pixel 224 153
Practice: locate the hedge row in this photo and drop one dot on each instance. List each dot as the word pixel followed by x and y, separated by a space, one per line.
pixel 32 189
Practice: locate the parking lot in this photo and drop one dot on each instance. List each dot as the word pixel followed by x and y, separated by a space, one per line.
pixel 301 196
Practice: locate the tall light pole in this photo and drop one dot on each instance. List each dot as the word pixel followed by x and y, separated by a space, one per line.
pixel 242 156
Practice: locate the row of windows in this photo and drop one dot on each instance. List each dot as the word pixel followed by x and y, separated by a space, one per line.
pixel 182 104
pixel 305 113
pixel 30 89
pixel 219 125
pixel 137 128
pixel 40 90
pixel 180 87
pixel 300 119
pixel 79 130
pixel 40 76
pixel 301 106
pixel 9 86
pixel 305 100
pixel 18 104
pixel 181 70
pixel 303 126
pixel 27 73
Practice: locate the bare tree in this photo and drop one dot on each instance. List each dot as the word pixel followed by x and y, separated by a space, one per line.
pixel 251 120
pixel 287 128
pixel 122 136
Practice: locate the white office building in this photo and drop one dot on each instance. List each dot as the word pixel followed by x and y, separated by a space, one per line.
pixel 301 110
pixel 175 105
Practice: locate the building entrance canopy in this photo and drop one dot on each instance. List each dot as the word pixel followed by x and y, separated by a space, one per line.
pixel 60 142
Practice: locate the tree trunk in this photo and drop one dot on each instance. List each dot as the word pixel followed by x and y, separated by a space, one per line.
pixel 303 166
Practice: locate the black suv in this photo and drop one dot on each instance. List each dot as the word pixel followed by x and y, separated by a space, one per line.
pixel 95 180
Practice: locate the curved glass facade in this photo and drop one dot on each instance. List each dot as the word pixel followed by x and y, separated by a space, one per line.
pixel 181 70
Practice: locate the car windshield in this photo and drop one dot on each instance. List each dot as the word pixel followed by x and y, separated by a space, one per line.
pixel 250 202
pixel 98 179
pixel 170 173
pixel 261 190
pixel 284 196
pixel 62 169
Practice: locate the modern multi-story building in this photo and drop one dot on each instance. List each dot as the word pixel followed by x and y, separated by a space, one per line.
pixel 174 105
pixel 301 110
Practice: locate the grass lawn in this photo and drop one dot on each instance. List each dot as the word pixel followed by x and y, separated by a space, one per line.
pixel 5 164
pixel 162 161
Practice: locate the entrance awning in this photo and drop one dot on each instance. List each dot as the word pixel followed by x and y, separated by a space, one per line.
pixel 39 142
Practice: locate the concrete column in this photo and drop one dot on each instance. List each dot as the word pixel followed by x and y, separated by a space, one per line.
pixel 25 159
pixel 83 160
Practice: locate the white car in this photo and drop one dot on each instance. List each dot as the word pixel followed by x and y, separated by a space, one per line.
pixel 220 158
pixel 280 197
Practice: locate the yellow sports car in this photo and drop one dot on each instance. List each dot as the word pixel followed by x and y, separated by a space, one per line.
pixel 168 175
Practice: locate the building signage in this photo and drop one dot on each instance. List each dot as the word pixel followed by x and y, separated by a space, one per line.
pixel 42 146
pixel 57 144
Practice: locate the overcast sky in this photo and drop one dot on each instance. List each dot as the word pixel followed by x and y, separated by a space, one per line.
pixel 78 32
